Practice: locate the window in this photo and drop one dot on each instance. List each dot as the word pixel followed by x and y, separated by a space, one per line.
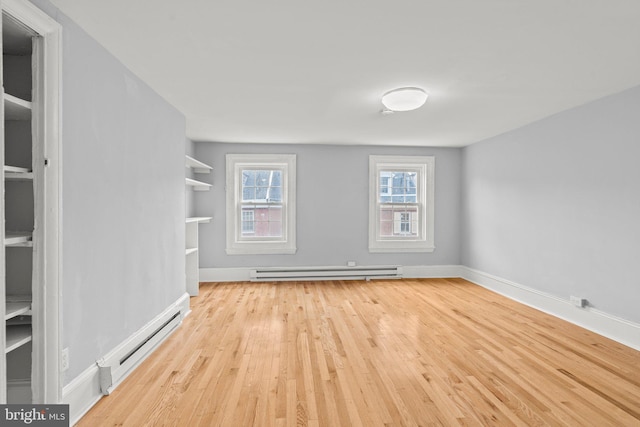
pixel 261 204
pixel 248 218
pixel 401 195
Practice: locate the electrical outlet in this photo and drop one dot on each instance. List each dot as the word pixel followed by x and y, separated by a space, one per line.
pixel 351 263
pixel 64 359
pixel 578 302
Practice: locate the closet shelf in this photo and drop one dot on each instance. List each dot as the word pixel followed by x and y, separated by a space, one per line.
pixel 17 336
pixel 16 173
pixel 16 308
pixel 16 169
pixel 197 185
pixel 197 165
pixel 16 108
pixel 18 238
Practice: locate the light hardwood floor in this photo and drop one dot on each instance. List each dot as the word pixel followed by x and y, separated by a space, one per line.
pixel 380 353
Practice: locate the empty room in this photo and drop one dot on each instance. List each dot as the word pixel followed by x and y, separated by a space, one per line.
pixel 320 213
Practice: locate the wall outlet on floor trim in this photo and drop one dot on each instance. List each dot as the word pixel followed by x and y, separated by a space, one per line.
pixel 578 302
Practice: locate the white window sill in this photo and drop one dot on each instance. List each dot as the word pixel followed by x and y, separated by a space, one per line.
pixel 400 249
pixel 261 251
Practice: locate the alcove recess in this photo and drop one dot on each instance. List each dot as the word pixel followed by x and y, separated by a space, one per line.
pixel 19 208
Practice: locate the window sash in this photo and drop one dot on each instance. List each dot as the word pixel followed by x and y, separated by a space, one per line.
pixel 408 198
pixel 389 221
pixel 268 221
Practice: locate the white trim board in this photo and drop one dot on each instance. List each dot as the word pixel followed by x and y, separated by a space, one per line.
pixel 430 271
pixel 84 391
pixel 607 325
pixel 239 274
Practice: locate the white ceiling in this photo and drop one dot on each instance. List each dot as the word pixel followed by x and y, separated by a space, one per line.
pixel 298 71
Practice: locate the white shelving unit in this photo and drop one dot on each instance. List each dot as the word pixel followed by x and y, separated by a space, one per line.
pixel 192 264
pixel 15 173
pixel 16 108
pixel 29 212
pixel 15 307
pixel 197 166
pixel 18 213
pixel 17 238
pixel 17 336
pixel 197 185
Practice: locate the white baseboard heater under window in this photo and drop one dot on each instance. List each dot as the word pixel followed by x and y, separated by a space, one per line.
pixel 116 365
pixel 361 272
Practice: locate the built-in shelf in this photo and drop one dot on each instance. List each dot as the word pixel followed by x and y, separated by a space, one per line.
pixel 15 173
pixel 197 165
pixel 28 204
pixel 16 169
pixel 17 336
pixel 199 219
pixel 18 238
pixel 191 250
pixel 16 308
pixel 16 108
pixel 197 185
pixel 192 275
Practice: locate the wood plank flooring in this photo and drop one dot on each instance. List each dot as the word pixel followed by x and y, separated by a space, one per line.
pixel 425 352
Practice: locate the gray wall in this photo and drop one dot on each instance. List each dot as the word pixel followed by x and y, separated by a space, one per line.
pixel 123 200
pixel 332 206
pixel 555 205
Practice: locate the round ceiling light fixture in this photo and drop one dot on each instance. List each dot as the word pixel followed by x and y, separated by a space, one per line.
pixel 404 99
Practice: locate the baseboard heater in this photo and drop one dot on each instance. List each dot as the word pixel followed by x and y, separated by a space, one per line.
pixel 273 274
pixel 116 365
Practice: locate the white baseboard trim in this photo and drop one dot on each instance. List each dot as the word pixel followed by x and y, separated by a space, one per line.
pixel 239 274
pixel 430 271
pixel 84 391
pixel 610 326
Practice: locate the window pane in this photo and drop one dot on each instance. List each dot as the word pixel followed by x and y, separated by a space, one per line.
pixel 398 221
pixel 248 223
pixel 398 187
pixel 262 221
pixel 263 178
pixel 248 178
pixel 248 193
pixel 263 186
pixel 275 194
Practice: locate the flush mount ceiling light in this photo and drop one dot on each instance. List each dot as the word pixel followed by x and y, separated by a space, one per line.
pixel 404 99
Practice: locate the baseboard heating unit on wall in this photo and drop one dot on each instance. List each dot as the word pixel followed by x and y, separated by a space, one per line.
pixel 274 274
pixel 116 365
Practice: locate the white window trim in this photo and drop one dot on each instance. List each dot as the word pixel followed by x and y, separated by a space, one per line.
pixel 236 245
pixel 426 167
